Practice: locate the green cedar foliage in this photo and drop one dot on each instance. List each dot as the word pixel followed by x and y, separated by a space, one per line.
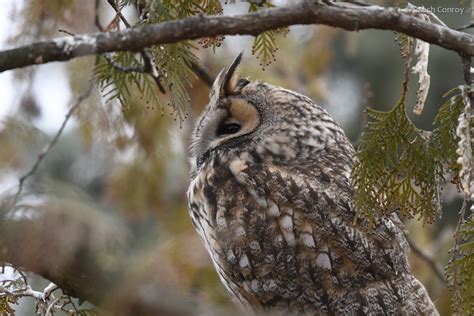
pixel 119 85
pixel 173 61
pixel 388 174
pixel 461 270
pixel 400 168
pixel 264 45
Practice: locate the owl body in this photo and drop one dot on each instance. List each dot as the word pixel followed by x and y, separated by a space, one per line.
pixel 272 201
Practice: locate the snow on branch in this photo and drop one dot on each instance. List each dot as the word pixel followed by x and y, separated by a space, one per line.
pixel 351 18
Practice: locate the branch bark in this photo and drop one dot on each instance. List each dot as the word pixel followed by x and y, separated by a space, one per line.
pixel 135 39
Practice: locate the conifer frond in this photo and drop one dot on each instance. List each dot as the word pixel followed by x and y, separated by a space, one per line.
pixel 400 167
pixel 396 169
pixel 460 270
pixel 210 7
pixel 116 84
pixel 5 308
pixel 160 11
pixel 444 139
pixel 406 44
pixel 264 45
pixel 175 60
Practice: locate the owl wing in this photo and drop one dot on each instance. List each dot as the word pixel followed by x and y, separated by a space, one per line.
pixel 317 209
pixel 305 220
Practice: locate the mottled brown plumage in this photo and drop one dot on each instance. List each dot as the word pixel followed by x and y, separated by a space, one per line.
pixel 271 199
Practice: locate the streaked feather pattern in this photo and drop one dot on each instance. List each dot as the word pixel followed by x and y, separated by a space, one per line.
pixel 274 208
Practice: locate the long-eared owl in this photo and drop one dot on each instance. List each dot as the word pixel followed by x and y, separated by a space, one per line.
pixel 271 199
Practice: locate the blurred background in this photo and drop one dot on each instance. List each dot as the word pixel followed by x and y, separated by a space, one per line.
pixel 128 172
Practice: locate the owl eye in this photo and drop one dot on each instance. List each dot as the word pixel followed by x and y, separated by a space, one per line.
pixel 228 128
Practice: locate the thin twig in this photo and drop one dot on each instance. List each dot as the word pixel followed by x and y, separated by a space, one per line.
pixel 108 56
pixel 113 4
pixel 366 104
pixel 466 66
pixel 121 67
pixel 417 11
pixel 49 289
pixel 346 2
pixel 22 275
pixel 152 69
pixel 68 301
pixel 66 32
pixel 50 307
pixel 149 64
pixel 406 70
pixel 465 27
pixel 77 102
pixel 427 257
pixel 96 16
pixel 202 74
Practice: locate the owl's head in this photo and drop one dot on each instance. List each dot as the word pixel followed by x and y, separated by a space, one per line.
pixel 275 123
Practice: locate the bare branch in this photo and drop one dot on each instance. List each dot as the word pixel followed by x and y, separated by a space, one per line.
pixel 152 69
pixel 96 16
pixel 66 32
pixel 202 74
pixel 466 66
pixel 121 67
pixel 16 288
pixel 352 18
pixel 77 102
pixel 465 27
pixel 49 289
pixel 113 4
pixel 428 258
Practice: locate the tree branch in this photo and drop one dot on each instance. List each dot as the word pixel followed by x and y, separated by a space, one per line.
pixel 77 102
pixel 89 256
pixel 428 258
pixel 353 18
pixel 203 74
pixel 149 64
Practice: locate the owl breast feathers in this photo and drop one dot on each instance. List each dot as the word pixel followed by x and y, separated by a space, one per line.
pixel 271 199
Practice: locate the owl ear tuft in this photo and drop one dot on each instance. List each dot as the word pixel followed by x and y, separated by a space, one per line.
pixel 231 77
pixel 227 80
